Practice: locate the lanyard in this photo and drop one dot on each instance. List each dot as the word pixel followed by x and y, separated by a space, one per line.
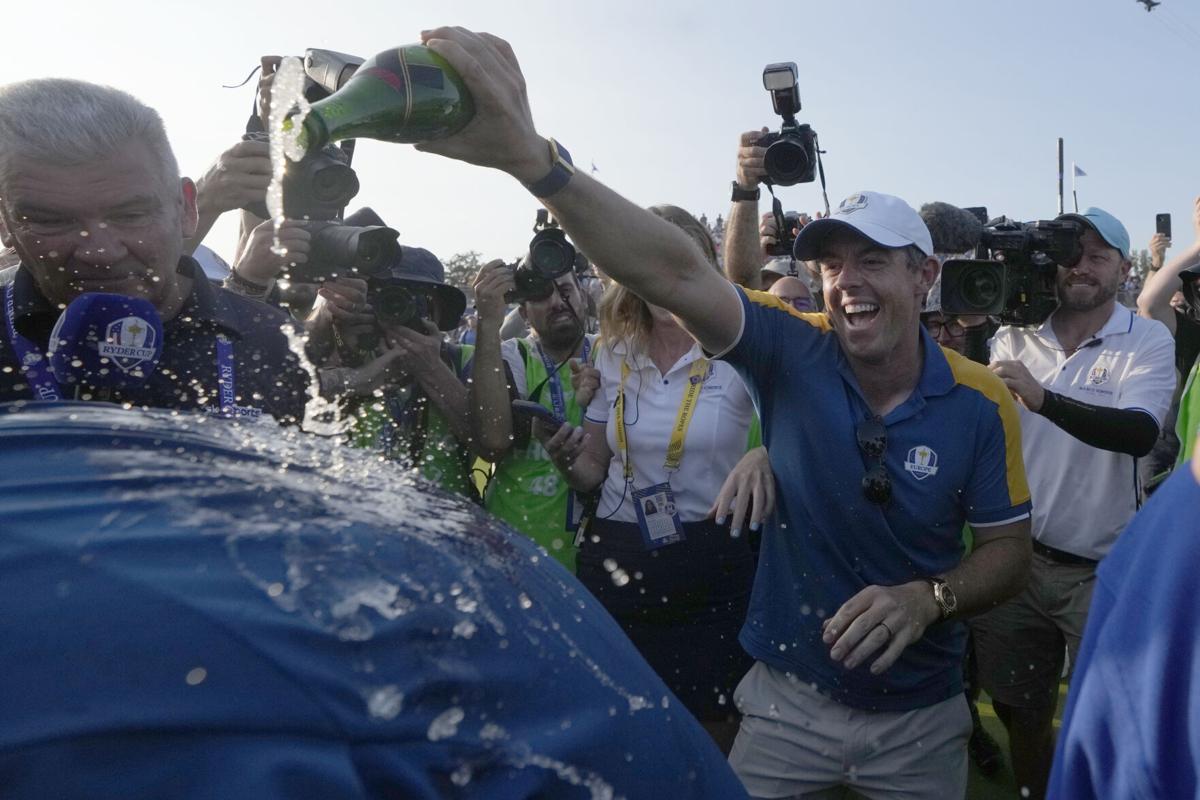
pixel 226 391
pixel 32 361
pixel 683 420
pixel 45 387
pixel 557 400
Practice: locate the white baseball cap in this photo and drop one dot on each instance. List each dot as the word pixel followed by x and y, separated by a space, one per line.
pixel 882 218
pixel 782 266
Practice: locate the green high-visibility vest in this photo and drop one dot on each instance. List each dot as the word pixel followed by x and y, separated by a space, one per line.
pixel 1187 424
pixel 442 459
pixel 526 490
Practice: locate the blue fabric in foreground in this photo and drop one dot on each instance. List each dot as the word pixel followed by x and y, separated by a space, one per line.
pixel 191 608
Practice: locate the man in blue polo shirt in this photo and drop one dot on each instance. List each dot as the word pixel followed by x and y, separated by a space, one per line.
pixel 91 201
pixel 1130 728
pixel 882 445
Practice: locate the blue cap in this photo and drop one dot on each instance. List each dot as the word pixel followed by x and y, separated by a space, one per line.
pixel 1109 227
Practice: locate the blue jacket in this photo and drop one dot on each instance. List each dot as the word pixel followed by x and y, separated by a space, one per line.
pixel 184 618
pixel 1132 724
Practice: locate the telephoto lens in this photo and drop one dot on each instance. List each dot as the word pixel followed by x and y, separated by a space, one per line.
pixel 340 249
pixel 550 254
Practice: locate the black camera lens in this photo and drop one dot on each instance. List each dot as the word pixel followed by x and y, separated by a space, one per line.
pixel 395 305
pixel 982 287
pixel 550 254
pixel 334 184
pixel 787 162
pixel 336 248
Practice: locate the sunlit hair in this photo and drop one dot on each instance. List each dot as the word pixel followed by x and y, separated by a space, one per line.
pixel 623 315
pixel 71 123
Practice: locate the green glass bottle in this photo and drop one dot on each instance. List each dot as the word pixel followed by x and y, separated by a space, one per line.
pixel 406 94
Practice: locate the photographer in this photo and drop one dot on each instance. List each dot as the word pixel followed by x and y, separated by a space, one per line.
pixel 238 177
pixel 743 253
pixel 526 490
pixel 748 241
pixel 1093 383
pixel 401 380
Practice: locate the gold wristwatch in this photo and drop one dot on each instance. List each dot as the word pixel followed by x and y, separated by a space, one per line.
pixel 943 595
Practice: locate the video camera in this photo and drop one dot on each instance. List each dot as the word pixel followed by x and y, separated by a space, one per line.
pixel 1018 283
pixel 791 156
pixel 550 257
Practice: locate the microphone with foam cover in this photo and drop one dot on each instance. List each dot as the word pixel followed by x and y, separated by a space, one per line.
pixel 106 341
pixel 953 229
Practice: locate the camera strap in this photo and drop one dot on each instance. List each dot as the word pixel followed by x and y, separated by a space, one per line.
pixel 821 171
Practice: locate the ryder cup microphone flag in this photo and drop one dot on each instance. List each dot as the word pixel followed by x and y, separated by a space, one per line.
pixel 106 340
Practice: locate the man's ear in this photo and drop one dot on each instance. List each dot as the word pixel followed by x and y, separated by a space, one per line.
pixel 928 273
pixel 191 215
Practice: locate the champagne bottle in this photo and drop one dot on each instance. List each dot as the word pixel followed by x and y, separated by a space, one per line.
pixel 406 94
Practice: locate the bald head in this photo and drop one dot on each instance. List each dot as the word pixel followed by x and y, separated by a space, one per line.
pixel 794 292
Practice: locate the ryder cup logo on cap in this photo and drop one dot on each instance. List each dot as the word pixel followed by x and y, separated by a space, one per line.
pixel 852 203
pixel 921 462
pixel 128 342
pixel 884 219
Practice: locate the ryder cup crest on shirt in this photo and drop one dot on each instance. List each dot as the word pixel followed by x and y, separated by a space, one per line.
pixel 1102 378
pixel 921 462
pixel 128 342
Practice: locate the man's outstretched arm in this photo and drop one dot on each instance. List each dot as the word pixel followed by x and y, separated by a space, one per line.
pixel 637 249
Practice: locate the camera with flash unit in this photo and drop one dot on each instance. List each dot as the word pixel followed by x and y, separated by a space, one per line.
pixel 791 156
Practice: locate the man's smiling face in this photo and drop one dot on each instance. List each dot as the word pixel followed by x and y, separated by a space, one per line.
pixel 872 295
pixel 112 226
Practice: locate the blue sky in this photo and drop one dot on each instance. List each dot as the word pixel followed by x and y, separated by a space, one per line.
pixel 953 100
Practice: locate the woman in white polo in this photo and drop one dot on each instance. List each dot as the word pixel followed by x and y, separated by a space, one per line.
pixel 661 436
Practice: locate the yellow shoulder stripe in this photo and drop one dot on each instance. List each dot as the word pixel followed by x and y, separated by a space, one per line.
pixel 817 320
pixel 978 377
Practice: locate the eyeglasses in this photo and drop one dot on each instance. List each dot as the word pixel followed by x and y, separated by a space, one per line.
pixel 800 303
pixel 872 441
pixel 953 327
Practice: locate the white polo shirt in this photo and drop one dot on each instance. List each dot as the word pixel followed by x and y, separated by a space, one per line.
pixel 716 439
pixel 1084 496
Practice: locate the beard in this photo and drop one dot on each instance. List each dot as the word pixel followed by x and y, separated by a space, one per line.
pixel 561 334
pixel 1083 297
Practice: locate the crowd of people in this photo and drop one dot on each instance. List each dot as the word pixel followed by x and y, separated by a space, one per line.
pixel 826 509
